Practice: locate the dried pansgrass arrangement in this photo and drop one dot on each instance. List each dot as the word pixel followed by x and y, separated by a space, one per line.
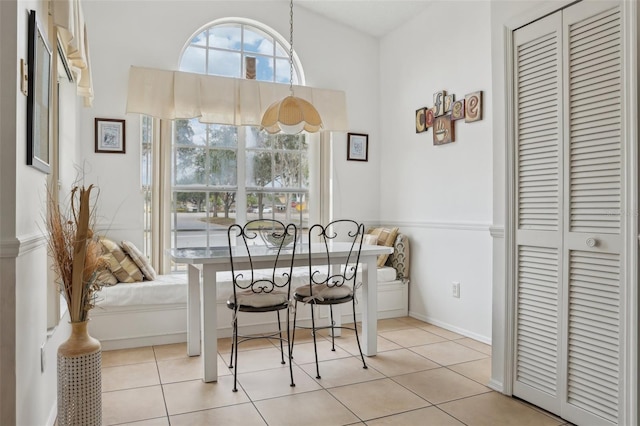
pixel 75 250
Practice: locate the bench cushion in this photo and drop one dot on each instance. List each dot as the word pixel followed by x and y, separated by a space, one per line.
pixel 172 289
pixel 165 289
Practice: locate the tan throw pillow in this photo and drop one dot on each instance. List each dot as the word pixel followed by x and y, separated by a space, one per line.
pixel 386 237
pixel 140 259
pixel 120 264
pixel 370 239
pixel 106 278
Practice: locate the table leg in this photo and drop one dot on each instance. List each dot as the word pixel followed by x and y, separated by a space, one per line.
pixel 370 307
pixel 193 311
pixel 209 324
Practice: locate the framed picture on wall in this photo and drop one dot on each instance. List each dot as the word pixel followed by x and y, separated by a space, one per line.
pixel 357 147
pixel 110 135
pixel 38 97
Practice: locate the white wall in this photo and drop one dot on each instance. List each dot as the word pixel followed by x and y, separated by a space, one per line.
pixel 332 56
pixel 440 195
pixel 8 243
pixel 27 393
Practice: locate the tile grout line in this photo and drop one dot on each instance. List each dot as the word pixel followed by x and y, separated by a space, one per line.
pixel 164 399
pixel 407 326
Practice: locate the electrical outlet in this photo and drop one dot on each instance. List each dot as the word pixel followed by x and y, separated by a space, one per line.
pixel 455 288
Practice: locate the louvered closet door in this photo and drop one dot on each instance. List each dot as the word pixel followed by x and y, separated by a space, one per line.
pixel 592 232
pixel 538 177
pixel 567 70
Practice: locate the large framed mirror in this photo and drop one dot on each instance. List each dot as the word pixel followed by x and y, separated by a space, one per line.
pixel 38 97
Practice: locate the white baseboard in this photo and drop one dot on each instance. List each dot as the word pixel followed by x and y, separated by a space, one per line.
pixel 496 386
pixel 136 342
pixel 446 326
pixel 225 331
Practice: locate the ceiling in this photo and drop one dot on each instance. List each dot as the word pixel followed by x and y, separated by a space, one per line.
pixel 374 17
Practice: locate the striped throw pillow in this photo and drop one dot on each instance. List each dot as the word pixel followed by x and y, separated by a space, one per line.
pixel 120 264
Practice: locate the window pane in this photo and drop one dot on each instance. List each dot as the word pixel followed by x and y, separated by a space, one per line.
pixel 146 179
pixel 283 72
pixel 146 151
pixel 285 207
pixel 299 211
pixel 190 132
pixel 257 139
pixel 259 169
pixel 290 142
pixel 228 64
pixel 200 39
pixel 282 51
pixel 194 60
pixel 222 208
pixel 189 166
pixel 287 169
pixel 188 228
pixel 226 36
pixel 197 223
pixel 226 136
pixel 223 167
pixel 304 171
pixel 261 205
pixel 257 41
pixel 264 68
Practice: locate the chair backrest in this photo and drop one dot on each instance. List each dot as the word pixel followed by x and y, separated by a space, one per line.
pixel 345 231
pixel 263 237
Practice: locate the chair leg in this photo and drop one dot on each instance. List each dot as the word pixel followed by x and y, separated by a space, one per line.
pixel 313 333
pixel 333 331
pixel 235 339
pixel 355 328
pixel 280 335
pixel 293 335
pixel 290 348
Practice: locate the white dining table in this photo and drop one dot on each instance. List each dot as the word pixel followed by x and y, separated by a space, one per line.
pixel 202 313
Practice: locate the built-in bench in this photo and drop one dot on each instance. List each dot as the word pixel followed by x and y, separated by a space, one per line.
pixel 155 312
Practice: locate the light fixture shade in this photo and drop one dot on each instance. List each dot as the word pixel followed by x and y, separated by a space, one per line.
pixel 291 115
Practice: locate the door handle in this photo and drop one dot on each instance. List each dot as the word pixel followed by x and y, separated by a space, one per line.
pixel 592 242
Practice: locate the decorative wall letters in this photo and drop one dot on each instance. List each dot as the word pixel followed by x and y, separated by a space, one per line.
pixel 445 111
pixel 474 107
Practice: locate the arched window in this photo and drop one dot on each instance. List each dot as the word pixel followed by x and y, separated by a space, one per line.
pixel 223 174
pixel 222 48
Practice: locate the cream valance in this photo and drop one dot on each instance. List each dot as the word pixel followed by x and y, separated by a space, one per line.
pixel 222 100
pixel 72 33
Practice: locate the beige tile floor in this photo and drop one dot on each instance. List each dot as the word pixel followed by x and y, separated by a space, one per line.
pixel 422 375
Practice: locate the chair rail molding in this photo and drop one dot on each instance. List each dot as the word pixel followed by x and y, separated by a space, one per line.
pixel 459 226
pixel 15 247
pixel 104 226
pixel 496 231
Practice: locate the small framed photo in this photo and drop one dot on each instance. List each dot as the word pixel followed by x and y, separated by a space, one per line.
pixel 357 147
pixel 110 135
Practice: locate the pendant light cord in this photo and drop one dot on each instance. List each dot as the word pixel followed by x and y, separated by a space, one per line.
pixel 291 47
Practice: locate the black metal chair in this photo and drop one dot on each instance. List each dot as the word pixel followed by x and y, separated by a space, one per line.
pixel 330 284
pixel 263 290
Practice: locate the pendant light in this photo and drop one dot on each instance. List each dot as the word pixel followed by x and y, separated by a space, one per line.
pixel 291 115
